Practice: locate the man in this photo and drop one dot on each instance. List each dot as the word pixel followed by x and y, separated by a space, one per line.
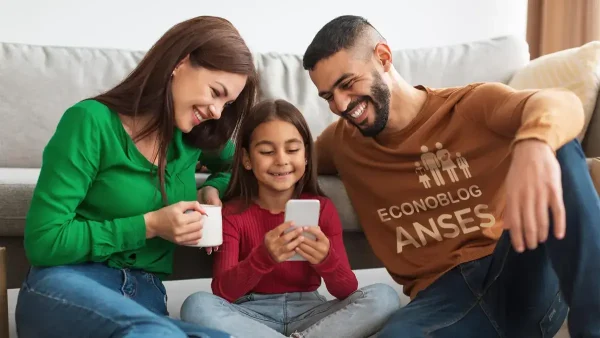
pixel 437 175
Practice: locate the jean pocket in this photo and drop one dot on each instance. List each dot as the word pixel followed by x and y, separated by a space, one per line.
pixel 555 316
pixel 158 284
pixel 26 281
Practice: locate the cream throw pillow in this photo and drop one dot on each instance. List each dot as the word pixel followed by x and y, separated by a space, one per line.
pixel 576 69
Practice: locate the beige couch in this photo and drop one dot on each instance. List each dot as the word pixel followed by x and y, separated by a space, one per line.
pixel 37 83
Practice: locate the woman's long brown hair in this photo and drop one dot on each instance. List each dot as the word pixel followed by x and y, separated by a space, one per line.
pixel 211 42
pixel 243 184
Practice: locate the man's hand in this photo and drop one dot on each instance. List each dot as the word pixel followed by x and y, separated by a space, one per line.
pixel 314 251
pixel 533 187
pixel 281 246
pixel 209 195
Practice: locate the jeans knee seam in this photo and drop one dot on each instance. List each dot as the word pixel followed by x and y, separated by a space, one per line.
pixel 452 321
pixel 479 298
pixel 225 303
pixel 61 300
pixel 350 303
pixel 495 325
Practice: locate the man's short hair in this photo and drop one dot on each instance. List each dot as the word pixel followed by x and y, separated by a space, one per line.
pixel 343 32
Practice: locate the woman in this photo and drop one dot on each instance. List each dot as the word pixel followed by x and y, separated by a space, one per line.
pixel 116 180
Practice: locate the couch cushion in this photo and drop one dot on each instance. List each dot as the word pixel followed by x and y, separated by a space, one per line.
pixel 16 189
pixel 576 69
pixel 38 83
pixel 282 75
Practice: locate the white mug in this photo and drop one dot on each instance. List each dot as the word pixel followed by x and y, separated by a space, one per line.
pixel 212 228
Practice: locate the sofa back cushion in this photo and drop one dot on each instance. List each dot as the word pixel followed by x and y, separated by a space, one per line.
pixel 37 83
pixel 282 75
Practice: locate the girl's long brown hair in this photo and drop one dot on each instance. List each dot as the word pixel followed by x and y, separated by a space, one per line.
pixel 243 185
pixel 211 42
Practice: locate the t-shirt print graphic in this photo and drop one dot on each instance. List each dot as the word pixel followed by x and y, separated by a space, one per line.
pixel 443 215
pixel 437 162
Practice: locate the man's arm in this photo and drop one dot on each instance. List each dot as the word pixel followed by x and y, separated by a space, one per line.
pixel 537 120
pixel 324 151
pixel 553 116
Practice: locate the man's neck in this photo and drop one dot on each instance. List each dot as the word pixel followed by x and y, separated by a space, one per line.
pixel 274 201
pixel 405 104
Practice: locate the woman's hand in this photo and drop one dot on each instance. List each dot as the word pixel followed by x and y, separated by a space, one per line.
pixel 209 195
pixel 173 224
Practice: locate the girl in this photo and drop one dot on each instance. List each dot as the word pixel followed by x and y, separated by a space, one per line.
pixel 117 177
pixel 257 292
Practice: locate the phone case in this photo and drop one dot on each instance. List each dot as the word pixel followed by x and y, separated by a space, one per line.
pixel 303 213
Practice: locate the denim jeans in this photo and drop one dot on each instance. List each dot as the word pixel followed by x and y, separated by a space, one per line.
pixel 508 294
pixel 301 314
pixel 94 300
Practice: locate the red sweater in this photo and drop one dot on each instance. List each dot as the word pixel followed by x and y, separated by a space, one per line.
pixel 243 265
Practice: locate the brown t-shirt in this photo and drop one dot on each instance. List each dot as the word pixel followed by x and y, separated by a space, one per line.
pixel 431 196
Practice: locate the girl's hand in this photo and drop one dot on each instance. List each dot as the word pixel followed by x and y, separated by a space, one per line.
pixel 281 245
pixel 173 224
pixel 209 195
pixel 316 250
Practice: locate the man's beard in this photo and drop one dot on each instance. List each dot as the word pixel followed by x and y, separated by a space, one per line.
pixel 380 100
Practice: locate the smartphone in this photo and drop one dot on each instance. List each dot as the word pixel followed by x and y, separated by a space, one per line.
pixel 303 213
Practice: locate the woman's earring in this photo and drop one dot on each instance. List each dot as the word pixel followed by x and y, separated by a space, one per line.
pixel 305 162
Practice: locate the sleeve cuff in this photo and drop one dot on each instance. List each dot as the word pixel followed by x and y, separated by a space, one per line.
pixel 261 259
pixel 541 130
pixel 132 231
pixel 329 264
pixel 219 182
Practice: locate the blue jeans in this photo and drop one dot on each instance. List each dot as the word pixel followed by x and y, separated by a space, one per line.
pixel 94 300
pixel 301 314
pixel 508 294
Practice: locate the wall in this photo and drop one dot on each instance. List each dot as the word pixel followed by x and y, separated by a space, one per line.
pixel 267 25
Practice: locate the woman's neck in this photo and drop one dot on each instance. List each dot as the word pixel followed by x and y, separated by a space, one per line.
pixel 134 126
pixel 274 201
